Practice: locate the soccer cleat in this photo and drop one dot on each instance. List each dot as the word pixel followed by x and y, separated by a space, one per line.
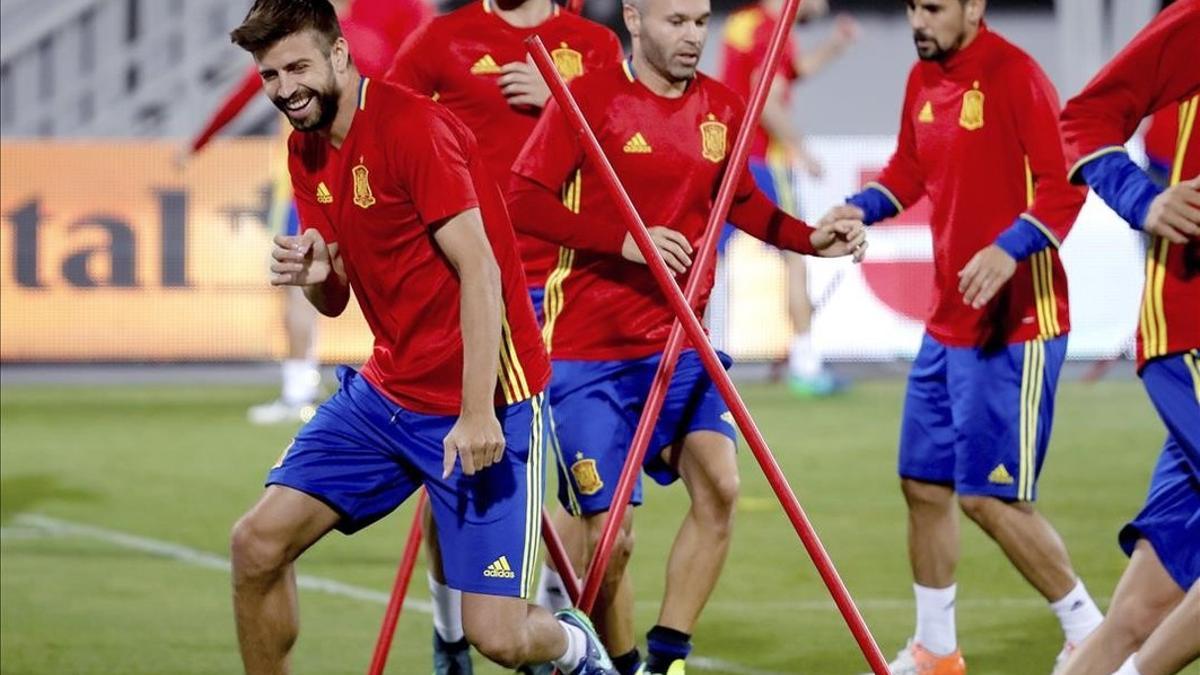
pixel 916 660
pixel 596 662
pixel 821 385
pixel 278 412
pixel 1060 661
pixel 451 658
pixel 677 667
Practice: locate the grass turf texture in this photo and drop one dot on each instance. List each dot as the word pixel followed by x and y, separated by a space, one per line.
pixel 179 464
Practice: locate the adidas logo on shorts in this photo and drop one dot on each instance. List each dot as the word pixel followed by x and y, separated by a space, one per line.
pixel 499 569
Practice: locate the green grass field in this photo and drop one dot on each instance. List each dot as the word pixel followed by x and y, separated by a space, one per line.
pixel 177 465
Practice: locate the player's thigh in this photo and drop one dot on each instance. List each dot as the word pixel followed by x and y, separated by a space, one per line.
pixel 708 467
pixel 1003 408
pixel 1145 594
pixel 1169 521
pixel 594 430
pixel 279 527
pixel 489 523
pixel 692 404
pixel 927 431
pixel 345 456
pixel 1173 384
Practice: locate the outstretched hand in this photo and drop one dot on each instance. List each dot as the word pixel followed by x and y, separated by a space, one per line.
pixel 840 232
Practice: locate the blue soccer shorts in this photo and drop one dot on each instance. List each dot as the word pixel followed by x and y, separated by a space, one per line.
pixel 291 223
pixel 363 455
pixel 980 422
pixel 1170 519
pixel 597 405
pixel 777 180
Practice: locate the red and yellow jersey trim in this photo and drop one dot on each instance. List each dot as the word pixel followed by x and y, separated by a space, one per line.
pixel 1041 265
pixel 362 93
pixel 1152 324
pixel 1073 174
pixel 512 374
pixel 554 298
pixel 874 185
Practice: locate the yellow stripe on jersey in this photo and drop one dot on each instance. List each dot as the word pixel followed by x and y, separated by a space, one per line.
pixel 1192 359
pixel 512 374
pixel 1041 265
pixel 554 299
pixel 1153 324
pixel 1032 382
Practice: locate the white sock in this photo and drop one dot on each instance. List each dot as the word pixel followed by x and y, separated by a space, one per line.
pixel 301 381
pixel 1129 667
pixel 447 610
pixel 803 359
pixel 935 618
pixel 576 649
pixel 1077 613
pixel 551 593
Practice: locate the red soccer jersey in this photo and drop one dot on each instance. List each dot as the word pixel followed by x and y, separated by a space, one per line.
pixel 405 166
pixel 747 36
pixel 1155 70
pixel 979 135
pixel 457 58
pixel 670 154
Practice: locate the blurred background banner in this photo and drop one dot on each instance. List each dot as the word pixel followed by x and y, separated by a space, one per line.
pixel 113 252
pixel 110 252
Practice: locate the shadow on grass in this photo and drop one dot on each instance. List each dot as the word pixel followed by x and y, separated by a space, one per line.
pixel 23 493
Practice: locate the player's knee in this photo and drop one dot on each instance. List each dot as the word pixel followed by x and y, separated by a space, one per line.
pixel 717 504
pixel 985 510
pixel 500 644
pixel 922 495
pixel 254 556
pixel 622 549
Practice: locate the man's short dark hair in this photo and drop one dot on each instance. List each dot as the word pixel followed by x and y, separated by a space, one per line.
pixel 270 21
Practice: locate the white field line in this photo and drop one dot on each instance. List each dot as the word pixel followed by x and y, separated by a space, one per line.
pixel 198 558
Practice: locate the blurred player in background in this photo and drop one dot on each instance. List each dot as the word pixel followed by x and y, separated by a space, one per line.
pixel 1153 609
pixel 396 204
pixel 778 150
pixel 666 129
pixel 979 135
pixel 376 28
pixel 474 62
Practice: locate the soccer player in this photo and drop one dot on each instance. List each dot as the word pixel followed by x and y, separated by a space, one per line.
pixel 376 27
pixel 778 148
pixel 474 61
pixel 1154 73
pixel 667 131
pixel 979 135
pixel 397 206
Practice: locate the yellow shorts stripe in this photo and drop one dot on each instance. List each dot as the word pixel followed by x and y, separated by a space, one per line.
pixel 1192 359
pixel 1032 381
pixel 564 471
pixel 533 494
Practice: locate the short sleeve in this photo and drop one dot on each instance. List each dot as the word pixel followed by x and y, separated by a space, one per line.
pixel 434 165
pixel 412 65
pixel 552 151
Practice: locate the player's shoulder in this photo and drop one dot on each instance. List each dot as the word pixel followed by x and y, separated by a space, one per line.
pixel 742 26
pixel 405 111
pixel 608 78
pixel 585 28
pixel 719 93
pixel 1008 59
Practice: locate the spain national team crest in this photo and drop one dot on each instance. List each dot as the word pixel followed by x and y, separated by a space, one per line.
pixel 971 116
pixel 568 62
pixel 363 196
pixel 712 139
pixel 587 478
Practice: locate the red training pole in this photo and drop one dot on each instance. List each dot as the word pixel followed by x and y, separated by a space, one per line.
pixel 695 333
pixel 399 589
pixel 562 561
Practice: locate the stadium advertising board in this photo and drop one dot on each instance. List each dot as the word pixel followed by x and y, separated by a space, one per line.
pixel 112 252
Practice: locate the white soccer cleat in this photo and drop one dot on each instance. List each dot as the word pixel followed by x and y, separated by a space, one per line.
pixel 278 412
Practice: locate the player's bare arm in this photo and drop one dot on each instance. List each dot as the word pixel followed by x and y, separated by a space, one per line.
pixel 307 261
pixel 777 121
pixel 522 84
pixel 1175 213
pixel 477 437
